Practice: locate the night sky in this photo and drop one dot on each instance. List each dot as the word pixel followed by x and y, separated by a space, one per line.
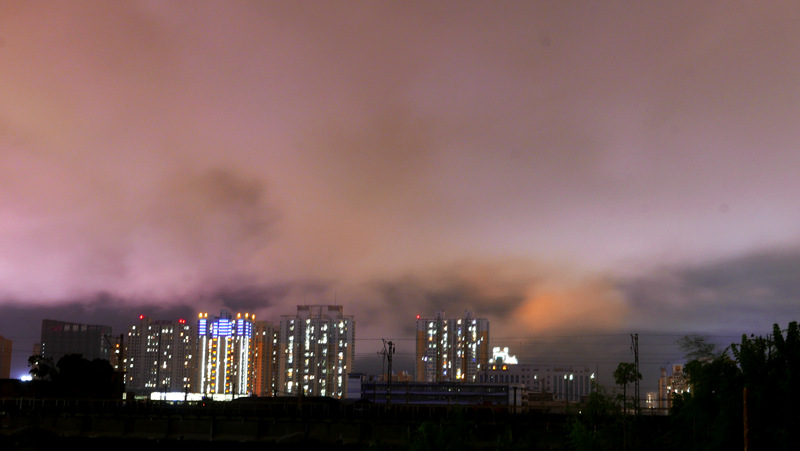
pixel 573 171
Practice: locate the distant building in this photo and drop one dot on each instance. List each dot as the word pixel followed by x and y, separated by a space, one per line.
pixel 225 354
pixel 670 385
pixel 316 351
pixel 160 355
pixel 5 357
pixel 117 354
pixel 60 338
pixel 560 382
pixel 265 359
pixel 548 382
pixel 651 401
pixel 451 349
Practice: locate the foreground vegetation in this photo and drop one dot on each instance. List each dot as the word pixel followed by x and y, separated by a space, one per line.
pixel 743 397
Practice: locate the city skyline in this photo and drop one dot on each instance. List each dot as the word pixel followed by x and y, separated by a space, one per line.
pixel 600 352
pixel 564 169
pixel 233 354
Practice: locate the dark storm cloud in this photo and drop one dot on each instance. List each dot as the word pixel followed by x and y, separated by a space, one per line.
pixel 520 298
pixel 101 308
pixel 745 294
pixel 216 204
pixel 244 298
pixel 220 219
pixel 410 296
pixel 279 298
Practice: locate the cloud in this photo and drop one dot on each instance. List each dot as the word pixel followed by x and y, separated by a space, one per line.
pixel 742 294
pixel 216 218
pixel 586 306
pixel 520 298
pixel 167 240
pixel 511 160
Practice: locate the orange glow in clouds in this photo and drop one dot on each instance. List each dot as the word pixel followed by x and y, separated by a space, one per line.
pixel 592 305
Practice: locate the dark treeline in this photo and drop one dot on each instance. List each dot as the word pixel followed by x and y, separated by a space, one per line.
pixel 76 377
pixel 745 395
pixel 742 397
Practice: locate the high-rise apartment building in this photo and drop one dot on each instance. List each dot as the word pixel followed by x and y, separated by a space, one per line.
pixel 5 357
pixel 225 354
pixel 265 354
pixel 316 351
pixel 670 385
pixel 160 355
pixel 451 349
pixel 60 338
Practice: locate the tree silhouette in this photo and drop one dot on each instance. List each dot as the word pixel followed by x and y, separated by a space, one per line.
pixel 80 377
pixel 42 368
pixel 696 347
pixel 626 374
pixel 712 414
pixel 74 376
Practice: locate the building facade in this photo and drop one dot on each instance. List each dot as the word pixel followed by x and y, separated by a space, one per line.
pixel 60 338
pixel 265 359
pixel 316 351
pixel 5 357
pixel 549 382
pixel 557 382
pixel 670 385
pixel 225 354
pixel 451 349
pixel 160 355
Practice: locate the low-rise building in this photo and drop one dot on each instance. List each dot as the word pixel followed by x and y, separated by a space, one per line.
pixel 560 382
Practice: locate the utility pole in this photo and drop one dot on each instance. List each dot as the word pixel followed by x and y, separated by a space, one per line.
pixel 635 350
pixel 389 348
pixel 388 352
